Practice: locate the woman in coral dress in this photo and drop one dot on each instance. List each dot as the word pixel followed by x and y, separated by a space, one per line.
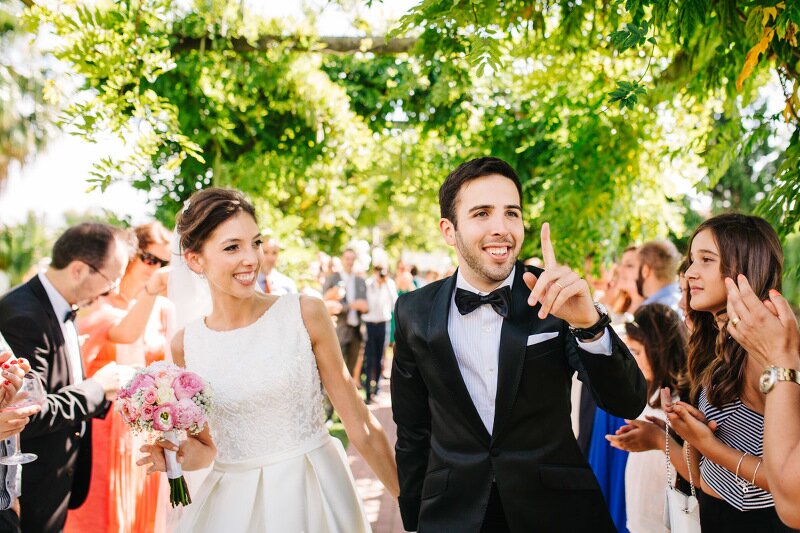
pixel 129 327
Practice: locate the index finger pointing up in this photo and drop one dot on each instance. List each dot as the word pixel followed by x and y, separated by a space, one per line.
pixel 548 254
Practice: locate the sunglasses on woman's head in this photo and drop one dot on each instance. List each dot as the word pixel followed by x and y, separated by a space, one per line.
pixel 150 259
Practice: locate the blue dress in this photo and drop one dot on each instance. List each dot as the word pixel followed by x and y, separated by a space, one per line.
pixel 609 465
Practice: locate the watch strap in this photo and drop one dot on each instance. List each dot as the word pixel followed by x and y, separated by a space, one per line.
pixel 593 330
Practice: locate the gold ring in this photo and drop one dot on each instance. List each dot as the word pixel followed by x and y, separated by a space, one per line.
pixel 735 320
pixel 560 285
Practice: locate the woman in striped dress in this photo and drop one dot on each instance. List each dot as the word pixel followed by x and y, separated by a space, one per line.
pixel 724 429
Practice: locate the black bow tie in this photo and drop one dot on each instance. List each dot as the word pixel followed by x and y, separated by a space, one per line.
pixel 499 299
pixel 71 314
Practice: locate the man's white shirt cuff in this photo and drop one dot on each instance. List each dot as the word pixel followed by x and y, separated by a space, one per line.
pixel 601 346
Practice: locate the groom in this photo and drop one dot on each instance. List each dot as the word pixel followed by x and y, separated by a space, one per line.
pixel 482 372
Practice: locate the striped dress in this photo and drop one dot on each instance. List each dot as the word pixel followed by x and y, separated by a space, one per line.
pixel 740 428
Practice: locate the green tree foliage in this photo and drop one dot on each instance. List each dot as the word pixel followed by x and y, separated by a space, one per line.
pixel 28 98
pixel 22 245
pixel 600 107
pixel 710 53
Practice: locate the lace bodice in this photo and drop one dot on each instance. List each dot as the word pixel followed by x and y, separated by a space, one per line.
pixel 265 382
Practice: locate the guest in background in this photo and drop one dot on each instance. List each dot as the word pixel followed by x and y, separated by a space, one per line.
pixel 609 463
pixel 381 297
pixel 36 319
pixel 768 331
pixel 405 282
pixel 657 277
pixel 658 341
pixel 623 295
pixel 270 279
pixel 349 290
pixel 129 326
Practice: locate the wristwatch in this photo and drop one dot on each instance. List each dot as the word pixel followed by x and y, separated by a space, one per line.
pixel 774 374
pixel 592 331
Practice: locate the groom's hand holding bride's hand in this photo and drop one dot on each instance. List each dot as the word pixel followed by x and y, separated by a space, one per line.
pixel 561 291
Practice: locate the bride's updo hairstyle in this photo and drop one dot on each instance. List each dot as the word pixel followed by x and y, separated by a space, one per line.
pixel 205 211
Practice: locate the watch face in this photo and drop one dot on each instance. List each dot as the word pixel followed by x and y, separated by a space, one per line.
pixel 601 308
pixel 767 380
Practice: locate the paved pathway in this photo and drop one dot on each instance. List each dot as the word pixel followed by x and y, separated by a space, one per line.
pixel 382 510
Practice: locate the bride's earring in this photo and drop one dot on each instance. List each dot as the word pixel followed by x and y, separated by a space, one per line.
pixel 202 276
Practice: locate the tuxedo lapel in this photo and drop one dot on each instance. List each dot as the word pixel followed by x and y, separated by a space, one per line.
pixel 442 349
pixel 54 323
pixel 36 287
pixel 513 340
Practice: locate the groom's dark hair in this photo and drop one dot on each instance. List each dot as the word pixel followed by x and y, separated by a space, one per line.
pixel 466 172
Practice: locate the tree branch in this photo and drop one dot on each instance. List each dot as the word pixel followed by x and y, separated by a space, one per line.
pixel 329 45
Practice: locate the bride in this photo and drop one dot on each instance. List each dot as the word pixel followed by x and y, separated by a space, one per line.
pixel 275 466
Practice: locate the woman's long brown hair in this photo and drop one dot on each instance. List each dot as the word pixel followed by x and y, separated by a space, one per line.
pixel 747 245
pixel 664 337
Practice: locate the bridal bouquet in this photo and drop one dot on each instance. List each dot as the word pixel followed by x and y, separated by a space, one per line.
pixel 167 400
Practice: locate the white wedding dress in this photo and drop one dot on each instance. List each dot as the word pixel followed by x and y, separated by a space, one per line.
pixel 277 469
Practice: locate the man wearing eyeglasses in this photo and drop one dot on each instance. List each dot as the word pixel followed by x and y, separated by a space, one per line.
pixel 37 321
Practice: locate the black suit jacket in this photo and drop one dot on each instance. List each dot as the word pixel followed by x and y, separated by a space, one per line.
pixel 59 478
pixel 447 460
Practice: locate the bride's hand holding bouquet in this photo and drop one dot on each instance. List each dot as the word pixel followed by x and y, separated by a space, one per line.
pixel 168 401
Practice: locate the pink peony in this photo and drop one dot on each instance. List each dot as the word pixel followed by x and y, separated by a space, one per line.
pixel 150 396
pixel 141 381
pixel 186 385
pixel 128 411
pixel 164 417
pixel 147 412
pixel 187 414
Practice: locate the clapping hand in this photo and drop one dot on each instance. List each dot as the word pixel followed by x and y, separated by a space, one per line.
pixel 639 435
pixel 766 330
pixel 158 282
pixel 691 425
pixel 561 291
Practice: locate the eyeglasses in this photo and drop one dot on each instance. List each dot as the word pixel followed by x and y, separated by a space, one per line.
pixel 152 260
pixel 114 284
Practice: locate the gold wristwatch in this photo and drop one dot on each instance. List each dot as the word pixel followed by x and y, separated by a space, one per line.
pixel 773 374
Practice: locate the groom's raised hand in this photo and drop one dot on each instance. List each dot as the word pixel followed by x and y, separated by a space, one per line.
pixel 561 291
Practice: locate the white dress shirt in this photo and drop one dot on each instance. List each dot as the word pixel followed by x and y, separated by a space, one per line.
pixel 61 308
pixel 476 342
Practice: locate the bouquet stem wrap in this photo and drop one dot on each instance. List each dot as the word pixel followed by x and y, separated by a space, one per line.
pixel 178 490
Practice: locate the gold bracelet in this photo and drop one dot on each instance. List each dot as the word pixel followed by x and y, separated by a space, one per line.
pixel 760 460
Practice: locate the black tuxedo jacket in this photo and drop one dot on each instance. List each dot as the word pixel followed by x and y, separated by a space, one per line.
pixel 60 434
pixel 447 460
